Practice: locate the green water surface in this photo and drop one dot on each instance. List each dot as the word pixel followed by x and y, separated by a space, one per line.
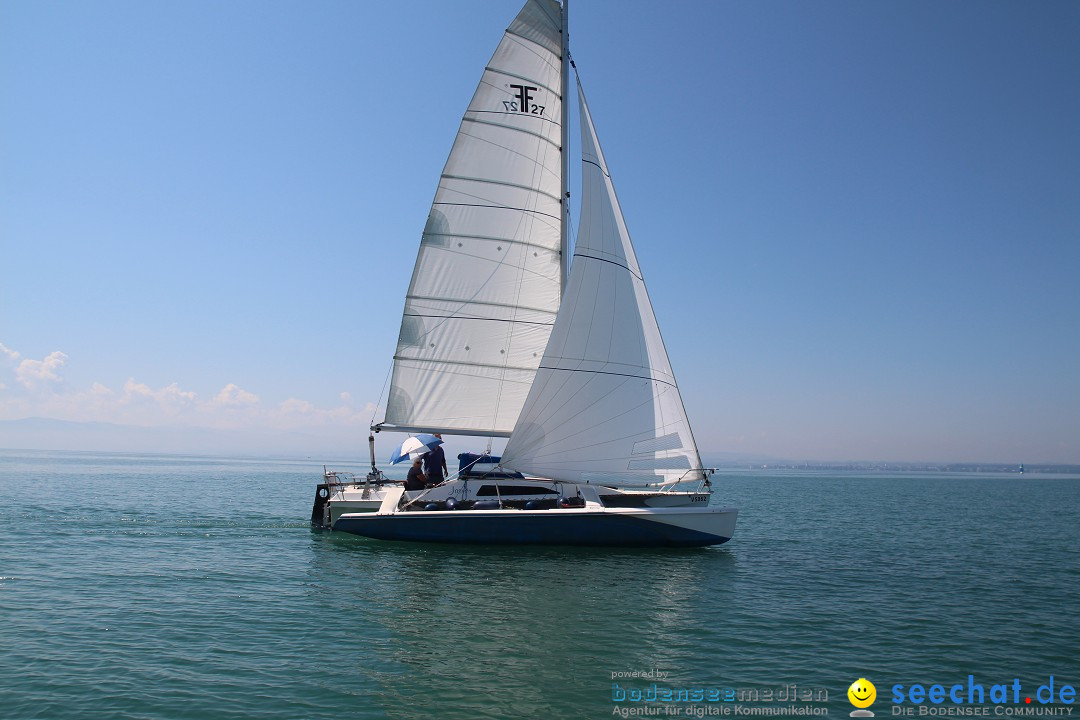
pixel 183 588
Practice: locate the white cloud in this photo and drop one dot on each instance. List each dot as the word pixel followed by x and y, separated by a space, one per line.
pixel 34 374
pixel 297 407
pixel 40 391
pixel 173 395
pixel 231 395
pixel 170 395
pixel 133 389
pixel 100 390
pixel 10 354
pixel 301 414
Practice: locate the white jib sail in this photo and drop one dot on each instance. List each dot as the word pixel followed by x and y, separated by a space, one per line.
pixel 485 288
pixel 604 407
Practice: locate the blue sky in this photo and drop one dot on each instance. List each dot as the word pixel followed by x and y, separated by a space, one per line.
pixel 859 222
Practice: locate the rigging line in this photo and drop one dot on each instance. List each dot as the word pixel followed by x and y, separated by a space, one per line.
pixel 379 401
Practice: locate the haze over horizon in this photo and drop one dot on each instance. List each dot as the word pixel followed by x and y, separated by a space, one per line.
pixel 858 222
pixel 47 435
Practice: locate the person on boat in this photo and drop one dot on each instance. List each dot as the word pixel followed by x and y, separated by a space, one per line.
pixel 416 477
pixel 435 464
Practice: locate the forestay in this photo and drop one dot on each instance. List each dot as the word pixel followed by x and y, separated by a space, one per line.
pixel 604 406
pixel 485 288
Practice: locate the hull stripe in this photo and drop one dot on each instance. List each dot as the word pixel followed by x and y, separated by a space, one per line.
pixel 606 529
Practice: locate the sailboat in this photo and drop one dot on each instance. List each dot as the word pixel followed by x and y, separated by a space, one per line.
pixel 502 336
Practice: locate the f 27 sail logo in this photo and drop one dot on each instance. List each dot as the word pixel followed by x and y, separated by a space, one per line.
pixel 523 101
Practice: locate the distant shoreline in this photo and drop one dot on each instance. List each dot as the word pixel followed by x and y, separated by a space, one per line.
pixel 341 460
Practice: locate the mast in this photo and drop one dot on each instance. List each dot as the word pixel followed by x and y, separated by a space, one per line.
pixel 564 236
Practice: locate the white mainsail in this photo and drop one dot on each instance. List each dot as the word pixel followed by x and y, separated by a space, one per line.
pixel 485 288
pixel 604 406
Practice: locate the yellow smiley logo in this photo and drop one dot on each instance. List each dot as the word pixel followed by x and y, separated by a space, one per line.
pixel 862 693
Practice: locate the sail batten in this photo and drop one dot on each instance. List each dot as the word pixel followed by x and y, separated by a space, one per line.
pixel 540 136
pixel 388 427
pixel 613 262
pixel 486 284
pixel 498 182
pixel 474 317
pixel 490 239
pixel 456 312
pixel 497 207
pixel 609 372
pixel 473 365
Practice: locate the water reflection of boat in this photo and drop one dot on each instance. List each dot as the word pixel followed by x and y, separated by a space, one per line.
pixel 416 600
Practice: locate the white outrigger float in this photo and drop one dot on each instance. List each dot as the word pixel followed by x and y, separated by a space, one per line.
pixel 502 337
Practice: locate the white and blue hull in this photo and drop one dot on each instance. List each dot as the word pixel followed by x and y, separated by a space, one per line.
pixel 625 527
pixel 438 516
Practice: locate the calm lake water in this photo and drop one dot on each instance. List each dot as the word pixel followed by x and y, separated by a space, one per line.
pixel 180 587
